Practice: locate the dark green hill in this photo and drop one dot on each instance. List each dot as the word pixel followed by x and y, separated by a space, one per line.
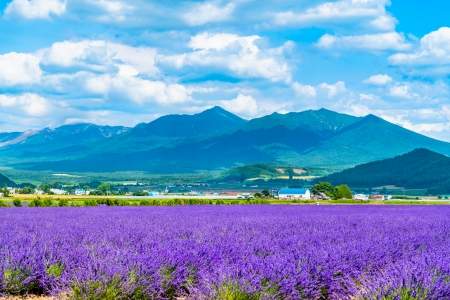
pixel 370 138
pixel 6 182
pixel 419 169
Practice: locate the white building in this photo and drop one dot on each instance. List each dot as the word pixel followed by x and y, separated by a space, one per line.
pixel 80 192
pixel 12 190
pixel 58 191
pixel 362 197
pixel 294 193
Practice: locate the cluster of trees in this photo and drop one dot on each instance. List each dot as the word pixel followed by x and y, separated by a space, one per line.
pixel 4 192
pixel 263 194
pixel 341 191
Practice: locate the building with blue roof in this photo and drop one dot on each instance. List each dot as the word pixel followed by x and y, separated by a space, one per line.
pixel 294 193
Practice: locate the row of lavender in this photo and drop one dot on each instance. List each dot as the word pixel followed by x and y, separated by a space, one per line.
pixel 258 252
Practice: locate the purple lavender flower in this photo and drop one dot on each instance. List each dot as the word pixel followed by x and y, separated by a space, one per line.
pixel 203 252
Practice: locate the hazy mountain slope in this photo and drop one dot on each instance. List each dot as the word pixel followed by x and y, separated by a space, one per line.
pixel 240 147
pixel 368 139
pixel 7 136
pixel 171 130
pixel 218 139
pixel 214 121
pixel 64 141
pixel 6 182
pixel 420 169
pixel 320 121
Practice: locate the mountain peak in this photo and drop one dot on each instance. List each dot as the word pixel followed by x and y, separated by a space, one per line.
pixel 372 117
pixel 423 152
pixel 212 121
pixel 218 111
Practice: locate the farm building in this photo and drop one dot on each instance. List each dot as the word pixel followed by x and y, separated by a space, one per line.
pixel 294 193
pixel 362 197
pixel 380 197
pixel 80 192
pixel 58 191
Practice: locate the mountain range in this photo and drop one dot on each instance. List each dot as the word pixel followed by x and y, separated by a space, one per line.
pixel 214 139
pixel 418 169
pixel 6 182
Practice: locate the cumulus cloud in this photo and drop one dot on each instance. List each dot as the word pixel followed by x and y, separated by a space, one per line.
pixel 100 55
pixel 19 69
pixel 379 79
pixel 241 55
pixel 36 9
pixel 373 42
pixel 111 10
pixel 433 122
pixel 208 12
pixel 333 89
pixel 243 105
pixel 433 50
pixel 32 105
pixel 401 91
pixel 126 85
pixel 304 90
pixel 340 11
pixel 384 23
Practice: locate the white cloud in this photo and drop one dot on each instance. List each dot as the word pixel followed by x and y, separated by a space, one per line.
pixel 384 23
pixel 243 105
pixel 206 12
pixel 430 122
pixel 19 69
pixel 333 89
pixel 113 10
pixel 126 85
pixel 36 9
pixel 379 79
pixel 375 42
pixel 401 91
pixel 100 55
pixel 434 49
pixel 239 54
pixel 32 105
pixel 338 12
pixel 304 90
pixel 222 41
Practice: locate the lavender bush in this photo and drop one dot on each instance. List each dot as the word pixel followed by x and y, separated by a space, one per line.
pixel 227 252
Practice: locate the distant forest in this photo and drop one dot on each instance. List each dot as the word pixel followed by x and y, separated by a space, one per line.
pixel 419 169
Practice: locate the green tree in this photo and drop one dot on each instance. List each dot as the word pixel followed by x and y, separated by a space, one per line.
pixel 45 188
pixel 104 188
pixel 266 193
pixel 324 188
pixel 343 191
pixel 5 192
pixel 26 190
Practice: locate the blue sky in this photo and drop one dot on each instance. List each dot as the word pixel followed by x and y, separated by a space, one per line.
pixel 124 62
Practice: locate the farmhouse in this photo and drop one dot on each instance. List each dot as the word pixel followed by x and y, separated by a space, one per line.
pixel 294 193
pixel 58 191
pixel 380 197
pixel 362 197
pixel 80 192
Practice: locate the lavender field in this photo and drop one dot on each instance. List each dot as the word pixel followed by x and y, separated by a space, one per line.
pixel 227 252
